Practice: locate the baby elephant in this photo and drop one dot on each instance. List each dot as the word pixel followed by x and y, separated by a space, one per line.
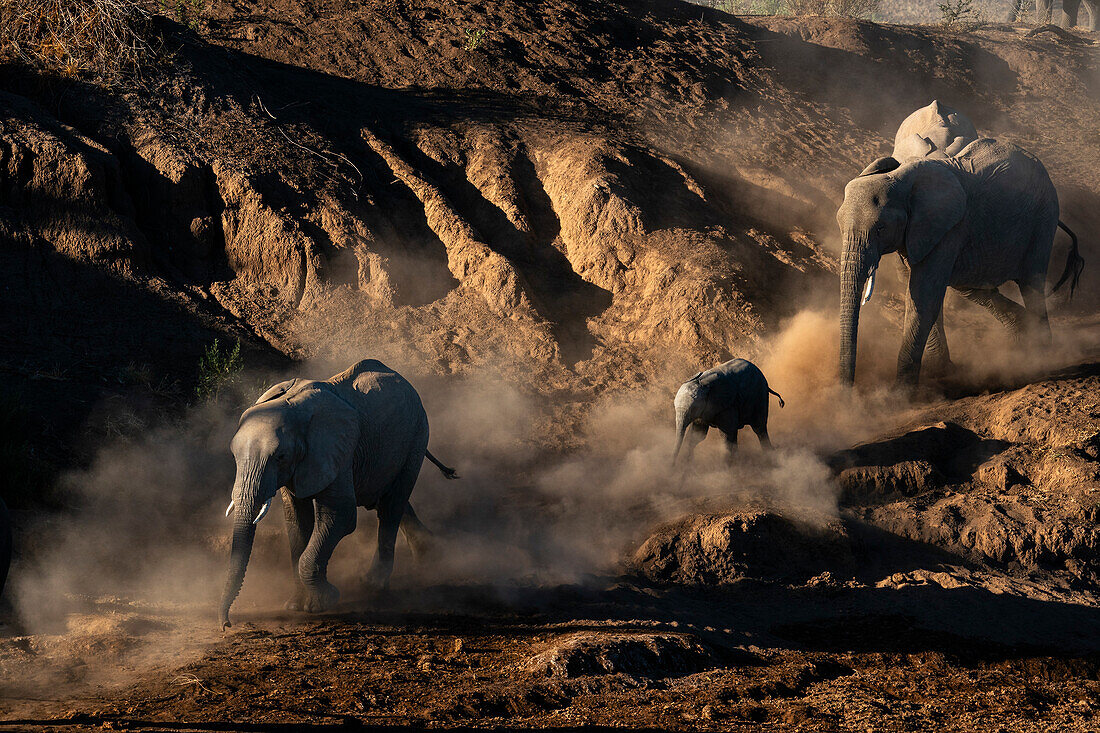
pixel 728 397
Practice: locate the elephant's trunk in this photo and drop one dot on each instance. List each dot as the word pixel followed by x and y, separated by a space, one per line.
pixel 253 487
pixel 855 265
pixel 681 430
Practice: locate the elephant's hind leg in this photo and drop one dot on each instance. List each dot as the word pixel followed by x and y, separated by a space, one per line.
pixel 299 526
pixel 761 431
pixel 1010 313
pixel 391 517
pixel 416 534
pixel 1035 301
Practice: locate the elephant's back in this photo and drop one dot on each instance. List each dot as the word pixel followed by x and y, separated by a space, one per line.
pixel 1007 169
pixel 737 383
pixel 740 369
pixel 387 400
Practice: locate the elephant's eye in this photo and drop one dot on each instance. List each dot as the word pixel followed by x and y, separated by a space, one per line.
pixel 875 200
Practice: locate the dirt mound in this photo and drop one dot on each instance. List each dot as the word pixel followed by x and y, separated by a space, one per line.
pixel 1010 478
pixel 719 549
pixel 635 655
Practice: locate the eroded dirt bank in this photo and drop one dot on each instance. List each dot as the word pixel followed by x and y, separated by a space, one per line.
pixel 546 230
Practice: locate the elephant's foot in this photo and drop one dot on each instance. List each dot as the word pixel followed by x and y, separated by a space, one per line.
pixel 378 578
pixel 314 599
pixel 940 368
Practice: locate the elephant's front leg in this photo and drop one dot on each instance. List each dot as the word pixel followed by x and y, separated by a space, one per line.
pixel 730 434
pixel 334 510
pixel 299 526
pixel 1043 11
pixel 927 288
pixel 696 434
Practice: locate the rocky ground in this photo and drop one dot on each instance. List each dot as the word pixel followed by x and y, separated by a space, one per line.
pixel 547 215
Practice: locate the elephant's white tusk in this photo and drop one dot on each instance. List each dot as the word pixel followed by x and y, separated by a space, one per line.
pixel 263 511
pixel 229 508
pixel 869 287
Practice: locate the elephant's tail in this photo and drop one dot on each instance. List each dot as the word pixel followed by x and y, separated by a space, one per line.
pixel 447 472
pixel 781 402
pixel 1075 263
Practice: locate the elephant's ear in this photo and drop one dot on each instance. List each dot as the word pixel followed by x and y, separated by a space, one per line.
pixel 882 165
pixel 937 202
pixel 330 440
pixel 277 391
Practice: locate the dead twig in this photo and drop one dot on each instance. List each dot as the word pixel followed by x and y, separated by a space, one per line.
pixel 332 159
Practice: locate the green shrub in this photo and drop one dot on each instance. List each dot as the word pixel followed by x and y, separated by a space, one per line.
pixel 218 368
pixel 474 38
pixel 957 13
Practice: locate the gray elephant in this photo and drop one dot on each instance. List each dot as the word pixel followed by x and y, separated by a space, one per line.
pixel 972 222
pixel 931 129
pixel 728 397
pixel 357 439
pixel 1044 9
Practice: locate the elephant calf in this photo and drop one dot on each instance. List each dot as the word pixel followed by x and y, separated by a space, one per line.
pixel 357 439
pixel 728 397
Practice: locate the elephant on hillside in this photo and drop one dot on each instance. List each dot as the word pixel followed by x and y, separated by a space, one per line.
pixel 1044 9
pixel 728 397
pixel 972 222
pixel 357 439
pixel 931 129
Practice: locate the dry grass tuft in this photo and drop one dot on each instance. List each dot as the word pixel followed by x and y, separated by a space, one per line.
pixel 835 8
pixel 869 9
pixel 76 36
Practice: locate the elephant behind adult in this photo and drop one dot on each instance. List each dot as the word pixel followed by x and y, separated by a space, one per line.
pixel 1070 12
pixel 972 222
pixel 357 439
pixel 934 128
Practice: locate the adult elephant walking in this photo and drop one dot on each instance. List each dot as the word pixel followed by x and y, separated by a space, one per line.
pixel 972 222
pixel 357 439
